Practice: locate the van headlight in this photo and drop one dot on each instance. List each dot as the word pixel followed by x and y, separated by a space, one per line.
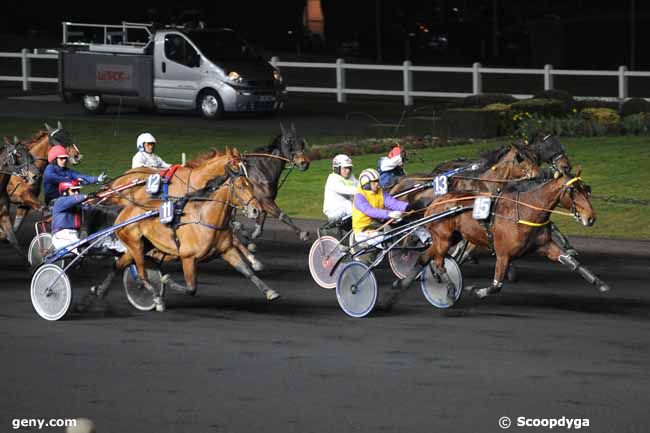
pixel 234 76
pixel 276 75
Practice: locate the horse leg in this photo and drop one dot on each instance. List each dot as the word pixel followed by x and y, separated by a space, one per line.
pixel 556 254
pixel 499 272
pixel 275 211
pixel 189 272
pixel 232 257
pixel 242 236
pixel 399 287
pixel 259 225
pixel 246 253
pixel 21 213
pixel 5 223
pixel 562 241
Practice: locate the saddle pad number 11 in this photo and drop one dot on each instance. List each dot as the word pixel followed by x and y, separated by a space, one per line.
pixel 440 185
pixel 166 212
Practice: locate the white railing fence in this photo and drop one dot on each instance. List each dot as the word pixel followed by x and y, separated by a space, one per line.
pixel 407 93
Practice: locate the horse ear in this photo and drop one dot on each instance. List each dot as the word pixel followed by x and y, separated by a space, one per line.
pixel 59 125
pixel 293 128
pixel 16 140
pixel 49 128
pixel 284 132
pixel 6 140
pixel 578 170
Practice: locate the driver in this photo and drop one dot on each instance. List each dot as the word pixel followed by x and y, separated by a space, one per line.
pixel 66 214
pixel 340 188
pixel 371 205
pixel 57 172
pixel 391 166
pixel 145 156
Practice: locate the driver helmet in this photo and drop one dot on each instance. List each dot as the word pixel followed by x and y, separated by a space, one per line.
pixel 341 160
pixel 396 151
pixel 65 186
pixel 55 152
pixel 368 175
pixel 143 138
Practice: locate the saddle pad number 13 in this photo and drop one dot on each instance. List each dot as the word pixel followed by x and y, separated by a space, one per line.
pixel 440 185
pixel 166 212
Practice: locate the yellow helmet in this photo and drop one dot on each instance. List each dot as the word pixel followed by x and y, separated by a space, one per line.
pixel 368 175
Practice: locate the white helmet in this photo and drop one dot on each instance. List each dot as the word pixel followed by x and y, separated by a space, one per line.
pixel 341 160
pixel 143 138
pixel 368 175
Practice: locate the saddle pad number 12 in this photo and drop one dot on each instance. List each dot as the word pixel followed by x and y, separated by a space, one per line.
pixel 166 212
pixel 153 184
pixel 440 185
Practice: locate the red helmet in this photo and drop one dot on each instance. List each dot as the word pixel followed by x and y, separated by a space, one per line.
pixel 64 186
pixel 56 152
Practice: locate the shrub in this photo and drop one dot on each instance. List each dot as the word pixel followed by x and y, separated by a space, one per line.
pixel 602 117
pixel 636 124
pixel 483 99
pixel 597 103
pixel 568 103
pixel 635 106
pixel 497 106
pixel 544 107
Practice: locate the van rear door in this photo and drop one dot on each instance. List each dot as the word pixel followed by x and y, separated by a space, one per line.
pixel 178 71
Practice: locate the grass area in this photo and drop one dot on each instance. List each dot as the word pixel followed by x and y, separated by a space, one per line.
pixel 617 168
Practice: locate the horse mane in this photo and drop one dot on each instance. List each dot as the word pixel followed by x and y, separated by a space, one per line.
pixel 203 157
pixel 528 185
pixel 39 134
pixel 493 156
pixel 268 148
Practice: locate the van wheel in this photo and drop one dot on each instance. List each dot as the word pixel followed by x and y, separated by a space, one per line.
pixel 210 105
pixel 93 104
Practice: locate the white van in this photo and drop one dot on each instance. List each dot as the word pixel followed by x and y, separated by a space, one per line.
pixel 209 70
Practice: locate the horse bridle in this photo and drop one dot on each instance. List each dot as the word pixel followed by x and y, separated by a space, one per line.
pixel 289 141
pixel 11 160
pixel 569 188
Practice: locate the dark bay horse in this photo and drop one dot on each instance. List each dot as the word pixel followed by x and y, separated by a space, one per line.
pixel 15 159
pixel 202 231
pixel 22 194
pixel 518 226
pixel 495 168
pixel 265 165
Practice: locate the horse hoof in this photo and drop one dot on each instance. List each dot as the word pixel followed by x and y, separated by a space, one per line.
pixel 271 295
pixel 252 247
pixel 481 293
pixel 604 288
pixel 165 279
pixel 191 292
pixel 304 236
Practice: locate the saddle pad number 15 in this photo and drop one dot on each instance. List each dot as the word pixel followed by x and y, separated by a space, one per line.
pixel 481 208
pixel 166 212
pixel 440 185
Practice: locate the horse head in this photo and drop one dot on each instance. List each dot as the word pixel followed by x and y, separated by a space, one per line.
pixel 549 149
pixel 516 162
pixel 576 196
pixel 243 196
pixel 61 136
pixel 292 147
pixel 16 158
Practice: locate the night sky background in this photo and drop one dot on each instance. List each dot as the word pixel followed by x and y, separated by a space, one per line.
pixel 591 34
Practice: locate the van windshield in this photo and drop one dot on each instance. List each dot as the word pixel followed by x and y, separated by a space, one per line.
pixel 222 45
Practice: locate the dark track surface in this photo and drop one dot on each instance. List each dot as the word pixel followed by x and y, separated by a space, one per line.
pixel 228 361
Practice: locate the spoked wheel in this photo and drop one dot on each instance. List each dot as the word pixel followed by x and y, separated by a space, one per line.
pixel 324 253
pixel 403 256
pixel 434 289
pixel 356 289
pixel 139 296
pixel 51 292
pixel 39 248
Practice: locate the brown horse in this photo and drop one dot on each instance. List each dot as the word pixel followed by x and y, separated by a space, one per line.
pixel 26 196
pixel 496 167
pixel 518 225
pixel 202 231
pixel 15 159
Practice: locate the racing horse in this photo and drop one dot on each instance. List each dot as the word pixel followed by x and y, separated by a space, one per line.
pixel 494 167
pixel 199 233
pixel 26 196
pixel 15 159
pixel 265 165
pixel 517 225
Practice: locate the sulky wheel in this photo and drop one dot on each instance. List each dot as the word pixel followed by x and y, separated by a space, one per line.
pixel 434 289
pixel 356 289
pixel 51 292
pixel 404 256
pixel 324 253
pixel 39 248
pixel 138 295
